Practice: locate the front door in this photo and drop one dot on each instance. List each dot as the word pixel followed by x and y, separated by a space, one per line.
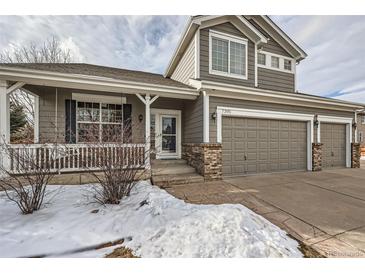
pixel 167 133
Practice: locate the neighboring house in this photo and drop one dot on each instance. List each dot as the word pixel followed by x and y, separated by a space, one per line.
pixel 227 102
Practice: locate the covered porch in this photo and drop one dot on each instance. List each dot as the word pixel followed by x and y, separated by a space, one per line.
pixel 67 104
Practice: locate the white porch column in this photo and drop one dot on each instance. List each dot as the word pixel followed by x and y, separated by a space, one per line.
pixel 205 117
pixel 4 122
pixel 148 130
pixel 147 101
pixel 36 119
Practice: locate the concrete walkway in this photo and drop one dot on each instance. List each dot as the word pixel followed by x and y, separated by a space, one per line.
pixel 325 210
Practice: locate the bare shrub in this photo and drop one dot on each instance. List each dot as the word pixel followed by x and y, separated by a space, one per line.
pixel 26 180
pixel 119 163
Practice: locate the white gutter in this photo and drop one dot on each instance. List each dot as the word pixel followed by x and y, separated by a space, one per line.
pixel 238 90
pixel 31 76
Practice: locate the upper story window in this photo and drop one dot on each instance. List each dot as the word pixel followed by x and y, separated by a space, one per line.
pixel 275 62
pixel 228 55
pixel 363 119
pixel 287 64
pixel 261 59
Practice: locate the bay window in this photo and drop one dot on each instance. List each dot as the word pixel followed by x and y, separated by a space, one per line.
pixel 228 55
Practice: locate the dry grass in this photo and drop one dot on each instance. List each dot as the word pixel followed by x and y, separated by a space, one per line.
pixel 121 252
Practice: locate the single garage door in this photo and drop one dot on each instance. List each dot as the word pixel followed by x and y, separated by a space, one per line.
pixel 263 146
pixel 333 138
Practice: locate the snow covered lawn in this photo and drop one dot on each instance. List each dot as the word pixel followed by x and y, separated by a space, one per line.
pixel 163 226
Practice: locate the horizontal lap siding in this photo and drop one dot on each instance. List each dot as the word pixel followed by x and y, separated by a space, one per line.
pixel 193 121
pixel 204 57
pixel 186 67
pixel 276 80
pixel 47 112
pixel 226 102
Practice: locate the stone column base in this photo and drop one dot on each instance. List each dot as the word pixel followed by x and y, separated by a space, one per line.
pixel 317 157
pixel 206 158
pixel 355 155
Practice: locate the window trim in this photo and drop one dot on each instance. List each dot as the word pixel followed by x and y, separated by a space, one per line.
pixel 100 123
pixel 281 62
pixel 259 58
pixel 229 38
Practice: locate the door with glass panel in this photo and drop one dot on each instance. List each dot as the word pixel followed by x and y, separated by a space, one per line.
pixel 168 134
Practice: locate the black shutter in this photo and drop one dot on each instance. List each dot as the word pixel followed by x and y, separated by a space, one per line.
pixel 70 110
pixel 127 123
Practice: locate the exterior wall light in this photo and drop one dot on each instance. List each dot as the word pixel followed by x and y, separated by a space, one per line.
pixel 214 116
pixel 354 125
pixel 140 118
pixel 316 122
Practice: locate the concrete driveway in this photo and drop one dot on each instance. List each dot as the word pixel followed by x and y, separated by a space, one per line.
pixel 325 210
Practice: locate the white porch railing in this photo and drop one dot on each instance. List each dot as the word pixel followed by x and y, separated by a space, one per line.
pixel 74 157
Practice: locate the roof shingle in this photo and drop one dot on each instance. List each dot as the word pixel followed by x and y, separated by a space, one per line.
pixel 101 71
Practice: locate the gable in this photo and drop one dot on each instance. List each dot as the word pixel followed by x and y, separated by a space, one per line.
pixel 272 45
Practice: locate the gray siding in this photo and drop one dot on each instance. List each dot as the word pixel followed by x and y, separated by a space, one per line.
pixel 271 46
pixel 186 67
pixel 275 80
pixel 217 101
pixel 193 121
pixel 204 57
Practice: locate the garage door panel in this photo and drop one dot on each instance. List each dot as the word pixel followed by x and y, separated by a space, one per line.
pixel 269 146
pixel 333 138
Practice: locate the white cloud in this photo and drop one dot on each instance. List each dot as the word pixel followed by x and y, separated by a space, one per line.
pixel 335 48
pixel 75 52
pixel 335 44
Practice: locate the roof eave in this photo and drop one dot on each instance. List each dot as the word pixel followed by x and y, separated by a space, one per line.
pixel 67 80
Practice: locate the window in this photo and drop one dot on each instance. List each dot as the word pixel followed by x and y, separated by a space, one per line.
pixel 363 119
pixel 99 121
pixel 287 64
pixel 275 62
pixel 261 59
pixel 220 55
pixel 228 55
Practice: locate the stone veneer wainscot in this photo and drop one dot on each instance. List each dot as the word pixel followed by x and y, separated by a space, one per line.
pixel 206 158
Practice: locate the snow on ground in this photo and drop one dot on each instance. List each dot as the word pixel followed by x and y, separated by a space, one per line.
pixel 164 227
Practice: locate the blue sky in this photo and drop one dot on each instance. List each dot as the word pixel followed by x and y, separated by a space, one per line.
pixel 334 67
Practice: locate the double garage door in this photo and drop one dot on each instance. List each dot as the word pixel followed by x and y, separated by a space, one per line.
pixel 252 146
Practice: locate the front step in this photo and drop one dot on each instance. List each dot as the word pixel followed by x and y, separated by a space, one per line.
pixel 165 181
pixel 172 170
pixel 166 173
pixel 172 162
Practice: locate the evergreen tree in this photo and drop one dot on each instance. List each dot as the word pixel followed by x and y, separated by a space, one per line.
pixel 18 117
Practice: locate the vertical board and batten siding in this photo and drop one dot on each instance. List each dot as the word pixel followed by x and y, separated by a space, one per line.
pixel 193 121
pixel 226 102
pixel 185 69
pixel 204 56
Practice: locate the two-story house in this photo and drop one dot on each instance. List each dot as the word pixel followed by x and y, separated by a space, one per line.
pixel 227 103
